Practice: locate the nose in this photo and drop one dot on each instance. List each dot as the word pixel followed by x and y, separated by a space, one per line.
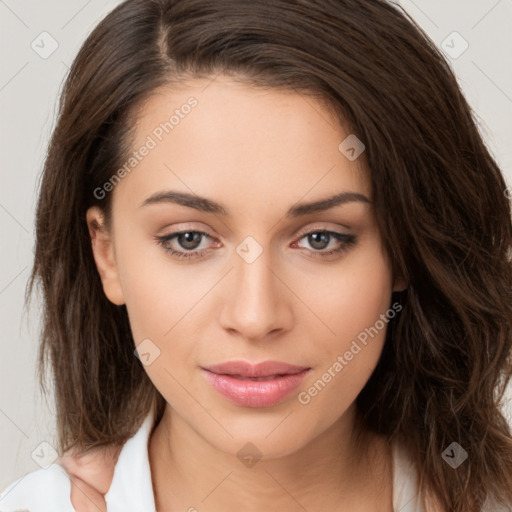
pixel 257 303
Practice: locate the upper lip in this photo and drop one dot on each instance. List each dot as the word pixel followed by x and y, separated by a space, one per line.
pixel 264 369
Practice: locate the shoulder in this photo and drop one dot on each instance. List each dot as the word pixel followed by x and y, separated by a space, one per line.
pixel 406 496
pixel 44 490
pixel 49 489
pixel 405 481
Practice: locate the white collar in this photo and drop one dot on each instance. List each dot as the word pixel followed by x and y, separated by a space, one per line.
pixel 405 481
pixel 131 487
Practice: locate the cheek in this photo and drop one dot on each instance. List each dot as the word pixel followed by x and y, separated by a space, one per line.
pixel 163 304
pixel 357 310
pixel 160 306
pixel 145 298
pixel 152 287
pixel 351 297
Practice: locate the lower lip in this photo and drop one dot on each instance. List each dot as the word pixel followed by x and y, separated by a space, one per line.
pixel 255 393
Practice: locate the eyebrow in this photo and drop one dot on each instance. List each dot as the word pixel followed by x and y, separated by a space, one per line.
pixel 204 204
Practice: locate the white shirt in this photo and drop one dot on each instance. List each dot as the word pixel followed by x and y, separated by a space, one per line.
pixel 49 489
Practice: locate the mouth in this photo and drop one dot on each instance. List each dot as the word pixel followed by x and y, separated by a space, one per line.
pixel 265 369
pixel 255 385
pixel 257 379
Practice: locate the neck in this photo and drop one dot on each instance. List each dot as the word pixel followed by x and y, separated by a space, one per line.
pixel 331 472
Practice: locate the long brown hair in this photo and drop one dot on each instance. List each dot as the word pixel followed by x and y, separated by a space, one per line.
pixel 440 201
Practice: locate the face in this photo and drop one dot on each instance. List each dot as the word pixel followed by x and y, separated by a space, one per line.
pixel 248 273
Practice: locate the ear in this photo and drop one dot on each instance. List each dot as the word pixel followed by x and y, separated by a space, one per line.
pixel 104 256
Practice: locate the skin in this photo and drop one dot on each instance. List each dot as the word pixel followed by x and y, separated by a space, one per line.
pixel 257 152
pixel 91 475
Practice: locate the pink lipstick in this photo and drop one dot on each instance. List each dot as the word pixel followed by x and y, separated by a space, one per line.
pixel 255 385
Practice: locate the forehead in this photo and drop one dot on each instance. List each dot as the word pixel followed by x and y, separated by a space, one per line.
pixel 234 140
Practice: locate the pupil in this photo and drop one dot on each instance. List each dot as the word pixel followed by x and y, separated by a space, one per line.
pixel 319 238
pixel 190 240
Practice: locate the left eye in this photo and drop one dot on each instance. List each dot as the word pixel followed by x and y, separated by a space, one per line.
pixel 320 240
pixel 190 240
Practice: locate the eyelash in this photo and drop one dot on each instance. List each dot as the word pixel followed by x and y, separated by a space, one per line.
pixel 345 239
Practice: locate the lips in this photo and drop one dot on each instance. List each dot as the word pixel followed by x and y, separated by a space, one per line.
pixel 265 369
pixel 259 385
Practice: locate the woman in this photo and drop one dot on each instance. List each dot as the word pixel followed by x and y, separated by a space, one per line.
pixel 287 211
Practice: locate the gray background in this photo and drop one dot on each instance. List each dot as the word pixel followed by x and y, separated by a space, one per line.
pixel 29 88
